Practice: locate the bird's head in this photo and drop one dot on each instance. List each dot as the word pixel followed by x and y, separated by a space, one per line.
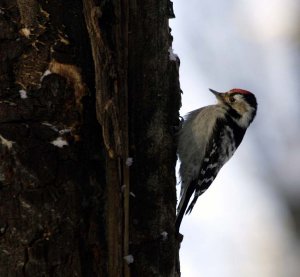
pixel 241 104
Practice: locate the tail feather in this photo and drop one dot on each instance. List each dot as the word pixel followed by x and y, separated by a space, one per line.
pixel 184 201
pixel 198 192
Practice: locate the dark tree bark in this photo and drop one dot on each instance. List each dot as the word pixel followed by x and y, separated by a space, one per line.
pixel 89 101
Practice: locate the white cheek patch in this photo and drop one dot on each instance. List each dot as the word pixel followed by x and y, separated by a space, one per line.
pixel 246 117
pixel 245 110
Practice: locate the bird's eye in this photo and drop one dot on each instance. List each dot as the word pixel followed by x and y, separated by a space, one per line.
pixel 231 99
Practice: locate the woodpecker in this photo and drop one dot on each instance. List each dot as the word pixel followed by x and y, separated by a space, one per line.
pixel 207 140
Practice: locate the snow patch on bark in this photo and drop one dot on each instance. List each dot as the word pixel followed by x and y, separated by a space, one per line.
pixel 59 142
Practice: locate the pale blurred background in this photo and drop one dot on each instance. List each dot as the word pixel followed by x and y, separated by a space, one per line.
pixel 247 223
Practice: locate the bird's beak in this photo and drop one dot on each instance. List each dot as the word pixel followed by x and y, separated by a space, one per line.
pixel 219 95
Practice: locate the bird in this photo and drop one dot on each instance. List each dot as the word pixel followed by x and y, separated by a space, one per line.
pixel 208 138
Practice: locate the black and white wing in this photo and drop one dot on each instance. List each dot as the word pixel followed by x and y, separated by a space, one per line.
pixel 218 151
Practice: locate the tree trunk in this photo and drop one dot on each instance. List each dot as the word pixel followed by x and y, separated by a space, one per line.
pixel 89 99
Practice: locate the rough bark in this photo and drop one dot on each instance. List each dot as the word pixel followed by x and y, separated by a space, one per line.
pixel 154 102
pixel 70 203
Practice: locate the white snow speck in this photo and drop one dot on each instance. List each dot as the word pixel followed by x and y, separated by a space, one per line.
pixel 164 235
pixel 123 187
pixel 6 142
pixel 132 194
pixel 172 55
pixel 47 72
pixel 129 259
pixel 59 142
pixel 129 161
pixel 23 93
